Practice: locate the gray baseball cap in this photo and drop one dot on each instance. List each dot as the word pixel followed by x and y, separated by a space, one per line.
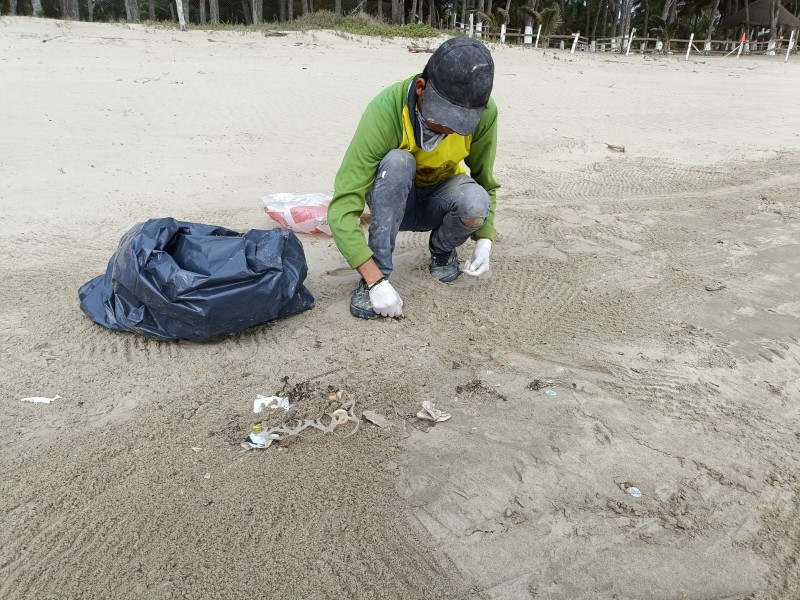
pixel 459 77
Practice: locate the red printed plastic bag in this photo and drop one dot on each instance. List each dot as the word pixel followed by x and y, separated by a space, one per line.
pixel 301 213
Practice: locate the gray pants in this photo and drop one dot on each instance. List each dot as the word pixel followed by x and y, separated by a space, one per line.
pixel 452 210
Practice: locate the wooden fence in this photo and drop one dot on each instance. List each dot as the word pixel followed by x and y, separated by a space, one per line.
pixel 631 45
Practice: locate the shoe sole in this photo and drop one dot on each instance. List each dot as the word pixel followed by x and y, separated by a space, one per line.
pixel 363 314
pixel 448 278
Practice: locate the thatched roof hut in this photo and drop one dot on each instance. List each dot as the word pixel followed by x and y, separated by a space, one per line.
pixel 760 15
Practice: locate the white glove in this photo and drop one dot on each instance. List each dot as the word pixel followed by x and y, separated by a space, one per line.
pixel 479 263
pixel 385 300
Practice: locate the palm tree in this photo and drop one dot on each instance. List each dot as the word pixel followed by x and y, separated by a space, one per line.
pixel 528 14
pixel 132 11
pixel 502 16
pixel 550 19
pixel 397 12
pixel 775 9
pixel 646 22
pixel 71 12
pixel 487 19
pixel 711 21
pixel 665 32
pixel 615 32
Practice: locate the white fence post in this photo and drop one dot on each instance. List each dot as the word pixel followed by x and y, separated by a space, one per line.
pixel 181 18
pixel 471 24
pixel 689 49
pixel 789 49
pixel 503 32
pixel 528 39
pixel 538 33
pixel 479 29
pixel 574 43
pixel 630 41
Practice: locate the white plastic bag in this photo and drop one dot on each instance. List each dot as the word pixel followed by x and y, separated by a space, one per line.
pixel 301 213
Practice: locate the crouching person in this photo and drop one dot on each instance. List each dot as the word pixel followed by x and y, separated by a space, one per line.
pixel 405 163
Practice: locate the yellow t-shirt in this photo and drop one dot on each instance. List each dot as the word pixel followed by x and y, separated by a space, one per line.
pixel 442 162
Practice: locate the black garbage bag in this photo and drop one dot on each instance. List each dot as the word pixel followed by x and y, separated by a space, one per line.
pixel 172 280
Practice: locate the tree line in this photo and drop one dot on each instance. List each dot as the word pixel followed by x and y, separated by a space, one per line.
pixel 594 19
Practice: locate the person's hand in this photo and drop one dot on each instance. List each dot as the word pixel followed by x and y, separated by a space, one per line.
pixel 385 300
pixel 479 263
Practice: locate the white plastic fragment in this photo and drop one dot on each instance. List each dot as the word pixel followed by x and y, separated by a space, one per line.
pixel 551 392
pixel 40 399
pixel 429 412
pixel 634 491
pixel 264 439
pixel 256 440
pixel 262 402
pixel 377 419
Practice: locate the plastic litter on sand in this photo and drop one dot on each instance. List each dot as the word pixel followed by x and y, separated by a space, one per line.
pixel 40 399
pixel 262 402
pixel 301 213
pixel 635 492
pixel 551 392
pixel 263 439
pixel 429 412
pixel 377 419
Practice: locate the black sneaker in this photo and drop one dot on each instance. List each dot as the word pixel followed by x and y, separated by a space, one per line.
pixel 444 265
pixel 360 306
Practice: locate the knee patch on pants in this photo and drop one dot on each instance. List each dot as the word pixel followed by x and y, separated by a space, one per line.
pixel 473 222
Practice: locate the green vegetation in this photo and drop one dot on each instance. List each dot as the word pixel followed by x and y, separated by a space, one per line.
pixel 549 18
pixel 357 24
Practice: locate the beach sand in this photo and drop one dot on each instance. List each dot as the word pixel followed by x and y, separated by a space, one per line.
pixel 654 291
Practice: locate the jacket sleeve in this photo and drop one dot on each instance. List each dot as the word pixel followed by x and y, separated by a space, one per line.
pixel 378 132
pixel 481 165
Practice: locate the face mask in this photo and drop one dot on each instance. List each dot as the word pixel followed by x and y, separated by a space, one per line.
pixel 430 139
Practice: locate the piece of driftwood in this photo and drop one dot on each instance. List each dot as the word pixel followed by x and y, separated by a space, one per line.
pixel 415 48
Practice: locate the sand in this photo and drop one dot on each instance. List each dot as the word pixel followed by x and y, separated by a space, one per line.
pixel 655 291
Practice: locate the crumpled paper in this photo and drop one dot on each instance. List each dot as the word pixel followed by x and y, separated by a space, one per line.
pixel 429 412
